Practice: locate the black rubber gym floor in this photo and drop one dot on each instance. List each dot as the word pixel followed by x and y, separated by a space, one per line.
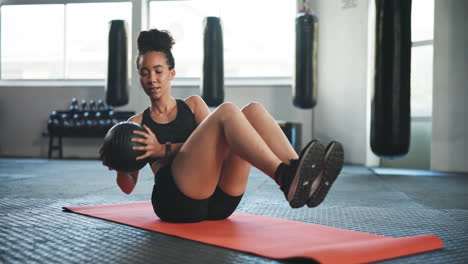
pixel 33 228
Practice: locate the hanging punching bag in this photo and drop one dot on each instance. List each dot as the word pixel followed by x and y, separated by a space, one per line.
pixel 390 118
pixel 212 84
pixel 117 72
pixel 305 81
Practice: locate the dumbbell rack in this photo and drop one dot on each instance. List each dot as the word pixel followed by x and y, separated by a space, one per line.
pixel 61 124
pixel 80 124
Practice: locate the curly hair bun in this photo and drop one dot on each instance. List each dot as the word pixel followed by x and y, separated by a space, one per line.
pixel 155 40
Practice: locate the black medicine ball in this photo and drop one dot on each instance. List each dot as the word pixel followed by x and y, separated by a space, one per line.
pixel 117 148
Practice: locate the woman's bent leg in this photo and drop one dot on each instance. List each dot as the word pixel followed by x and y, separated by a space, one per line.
pixel 235 171
pixel 270 131
pixel 198 165
pixel 234 175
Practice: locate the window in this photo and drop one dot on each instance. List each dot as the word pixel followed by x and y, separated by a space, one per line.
pixel 421 81
pixel 258 36
pixel 33 47
pixel 422 27
pixel 58 41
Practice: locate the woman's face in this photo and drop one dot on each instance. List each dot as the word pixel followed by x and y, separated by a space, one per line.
pixel 155 76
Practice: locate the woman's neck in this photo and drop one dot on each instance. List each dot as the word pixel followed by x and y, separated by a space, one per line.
pixel 163 105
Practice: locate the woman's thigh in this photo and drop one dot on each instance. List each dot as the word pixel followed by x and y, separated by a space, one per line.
pixel 234 175
pixel 197 166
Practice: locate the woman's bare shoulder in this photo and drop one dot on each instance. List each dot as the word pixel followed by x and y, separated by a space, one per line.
pixel 138 118
pixel 193 101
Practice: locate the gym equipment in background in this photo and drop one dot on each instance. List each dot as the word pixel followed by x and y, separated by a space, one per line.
pixel 118 148
pixel 92 119
pixel 305 78
pixel 390 125
pixel 117 64
pixel 212 83
pixel 293 132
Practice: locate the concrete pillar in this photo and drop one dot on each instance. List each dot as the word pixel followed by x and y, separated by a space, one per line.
pixel 140 13
pixel 449 151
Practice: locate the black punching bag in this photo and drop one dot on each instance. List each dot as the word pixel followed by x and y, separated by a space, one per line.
pixel 305 81
pixel 117 67
pixel 390 119
pixel 212 84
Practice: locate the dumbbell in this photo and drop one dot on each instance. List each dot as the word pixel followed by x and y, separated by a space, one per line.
pixel 89 120
pixel 53 123
pixel 84 105
pixel 92 105
pixel 77 125
pixel 74 107
pixel 101 106
pixel 65 124
pixel 100 123
pixel 110 120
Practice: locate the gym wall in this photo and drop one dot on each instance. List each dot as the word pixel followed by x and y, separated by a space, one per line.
pixel 24 111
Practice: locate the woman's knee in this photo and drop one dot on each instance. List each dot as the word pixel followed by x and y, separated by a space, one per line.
pixel 227 109
pixel 253 109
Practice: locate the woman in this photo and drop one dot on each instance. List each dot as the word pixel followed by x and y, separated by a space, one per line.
pixel 202 160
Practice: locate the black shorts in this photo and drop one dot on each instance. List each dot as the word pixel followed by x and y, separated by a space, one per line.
pixel 171 205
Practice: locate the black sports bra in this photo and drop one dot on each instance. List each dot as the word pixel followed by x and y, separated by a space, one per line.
pixel 175 131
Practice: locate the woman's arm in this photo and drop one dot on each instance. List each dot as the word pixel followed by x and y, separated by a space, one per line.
pixel 125 180
pixel 199 108
pixel 136 118
pixel 158 151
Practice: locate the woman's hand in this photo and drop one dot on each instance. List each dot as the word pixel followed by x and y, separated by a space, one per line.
pixel 152 147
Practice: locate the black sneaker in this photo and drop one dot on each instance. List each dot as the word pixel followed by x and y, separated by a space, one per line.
pixel 333 163
pixel 297 177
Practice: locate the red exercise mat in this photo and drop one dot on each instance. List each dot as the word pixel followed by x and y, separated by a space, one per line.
pixel 271 237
